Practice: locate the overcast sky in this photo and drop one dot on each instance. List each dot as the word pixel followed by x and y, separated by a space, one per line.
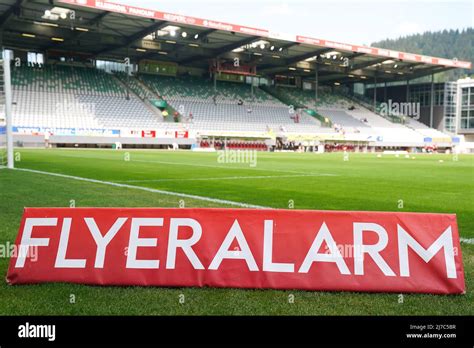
pixel 348 21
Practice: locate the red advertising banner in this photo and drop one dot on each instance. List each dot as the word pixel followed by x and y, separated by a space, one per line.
pixel 182 134
pixel 200 22
pixel 241 248
pixel 390 54
pixel 170 17
pixel 148 134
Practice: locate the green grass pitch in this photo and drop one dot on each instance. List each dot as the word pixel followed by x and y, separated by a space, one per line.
pixel 427 183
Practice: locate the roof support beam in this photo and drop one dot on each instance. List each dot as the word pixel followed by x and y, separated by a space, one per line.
pixel 204 34
pixel 132 38
pixel 97 19
pixel 15 8
pixel 424 72
pixel 215 53
pixel 289 45
pixel 235 45
pixel 301 57
pixel 355 55
pixel 292 60
pixel 366 64
pixel 77 34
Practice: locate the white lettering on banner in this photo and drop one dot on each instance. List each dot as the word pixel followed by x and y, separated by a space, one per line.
pixel 136 241
pixel 103 241
pixel 27 240
pixel 252 31
pixel 244 253
pixel 323 237
pixel 309 40
pixel 111 6
pixel 185 244
pixel 373 250
pixel 338 45
pixel 218 25
pixel 61 261
pixel 178 18
pixel 268 264
pixel 444 241
pixel 141 12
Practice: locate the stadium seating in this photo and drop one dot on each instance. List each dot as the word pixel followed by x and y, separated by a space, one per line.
pixel 230 107
pixel 81 97
pixel 191 88
pixel 119 112
pixel 47 109
pixel 66 80
pixel 306 98
pixel 233 113
pixel 75 97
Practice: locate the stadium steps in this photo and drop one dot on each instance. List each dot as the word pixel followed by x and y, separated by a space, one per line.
pixel 342 118
pixel 426 131
pixel 131 83
pixel 149 83
pixel 283 98
pixel 141 94
pixel 362 101
pixel 297 103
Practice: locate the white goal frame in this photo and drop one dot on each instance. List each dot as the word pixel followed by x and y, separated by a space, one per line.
pixel 7 88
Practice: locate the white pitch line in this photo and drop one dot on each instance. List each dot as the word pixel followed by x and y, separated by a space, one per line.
pixel 467 241
pixel 202 165
pixel 147 189
pixel 225 178
pixel 231 168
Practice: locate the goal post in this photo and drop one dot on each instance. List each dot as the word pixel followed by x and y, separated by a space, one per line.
pixel 6 122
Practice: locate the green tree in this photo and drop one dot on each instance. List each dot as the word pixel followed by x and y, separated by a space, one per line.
pixel 446 44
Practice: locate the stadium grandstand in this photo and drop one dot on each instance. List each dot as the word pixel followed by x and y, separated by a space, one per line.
pixel 89 73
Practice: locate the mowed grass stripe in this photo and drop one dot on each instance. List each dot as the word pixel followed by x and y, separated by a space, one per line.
pixel 229 178
pixel 228 166
pixel 177 194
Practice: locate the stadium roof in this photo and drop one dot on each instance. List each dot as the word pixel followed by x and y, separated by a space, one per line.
pixel 105 30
